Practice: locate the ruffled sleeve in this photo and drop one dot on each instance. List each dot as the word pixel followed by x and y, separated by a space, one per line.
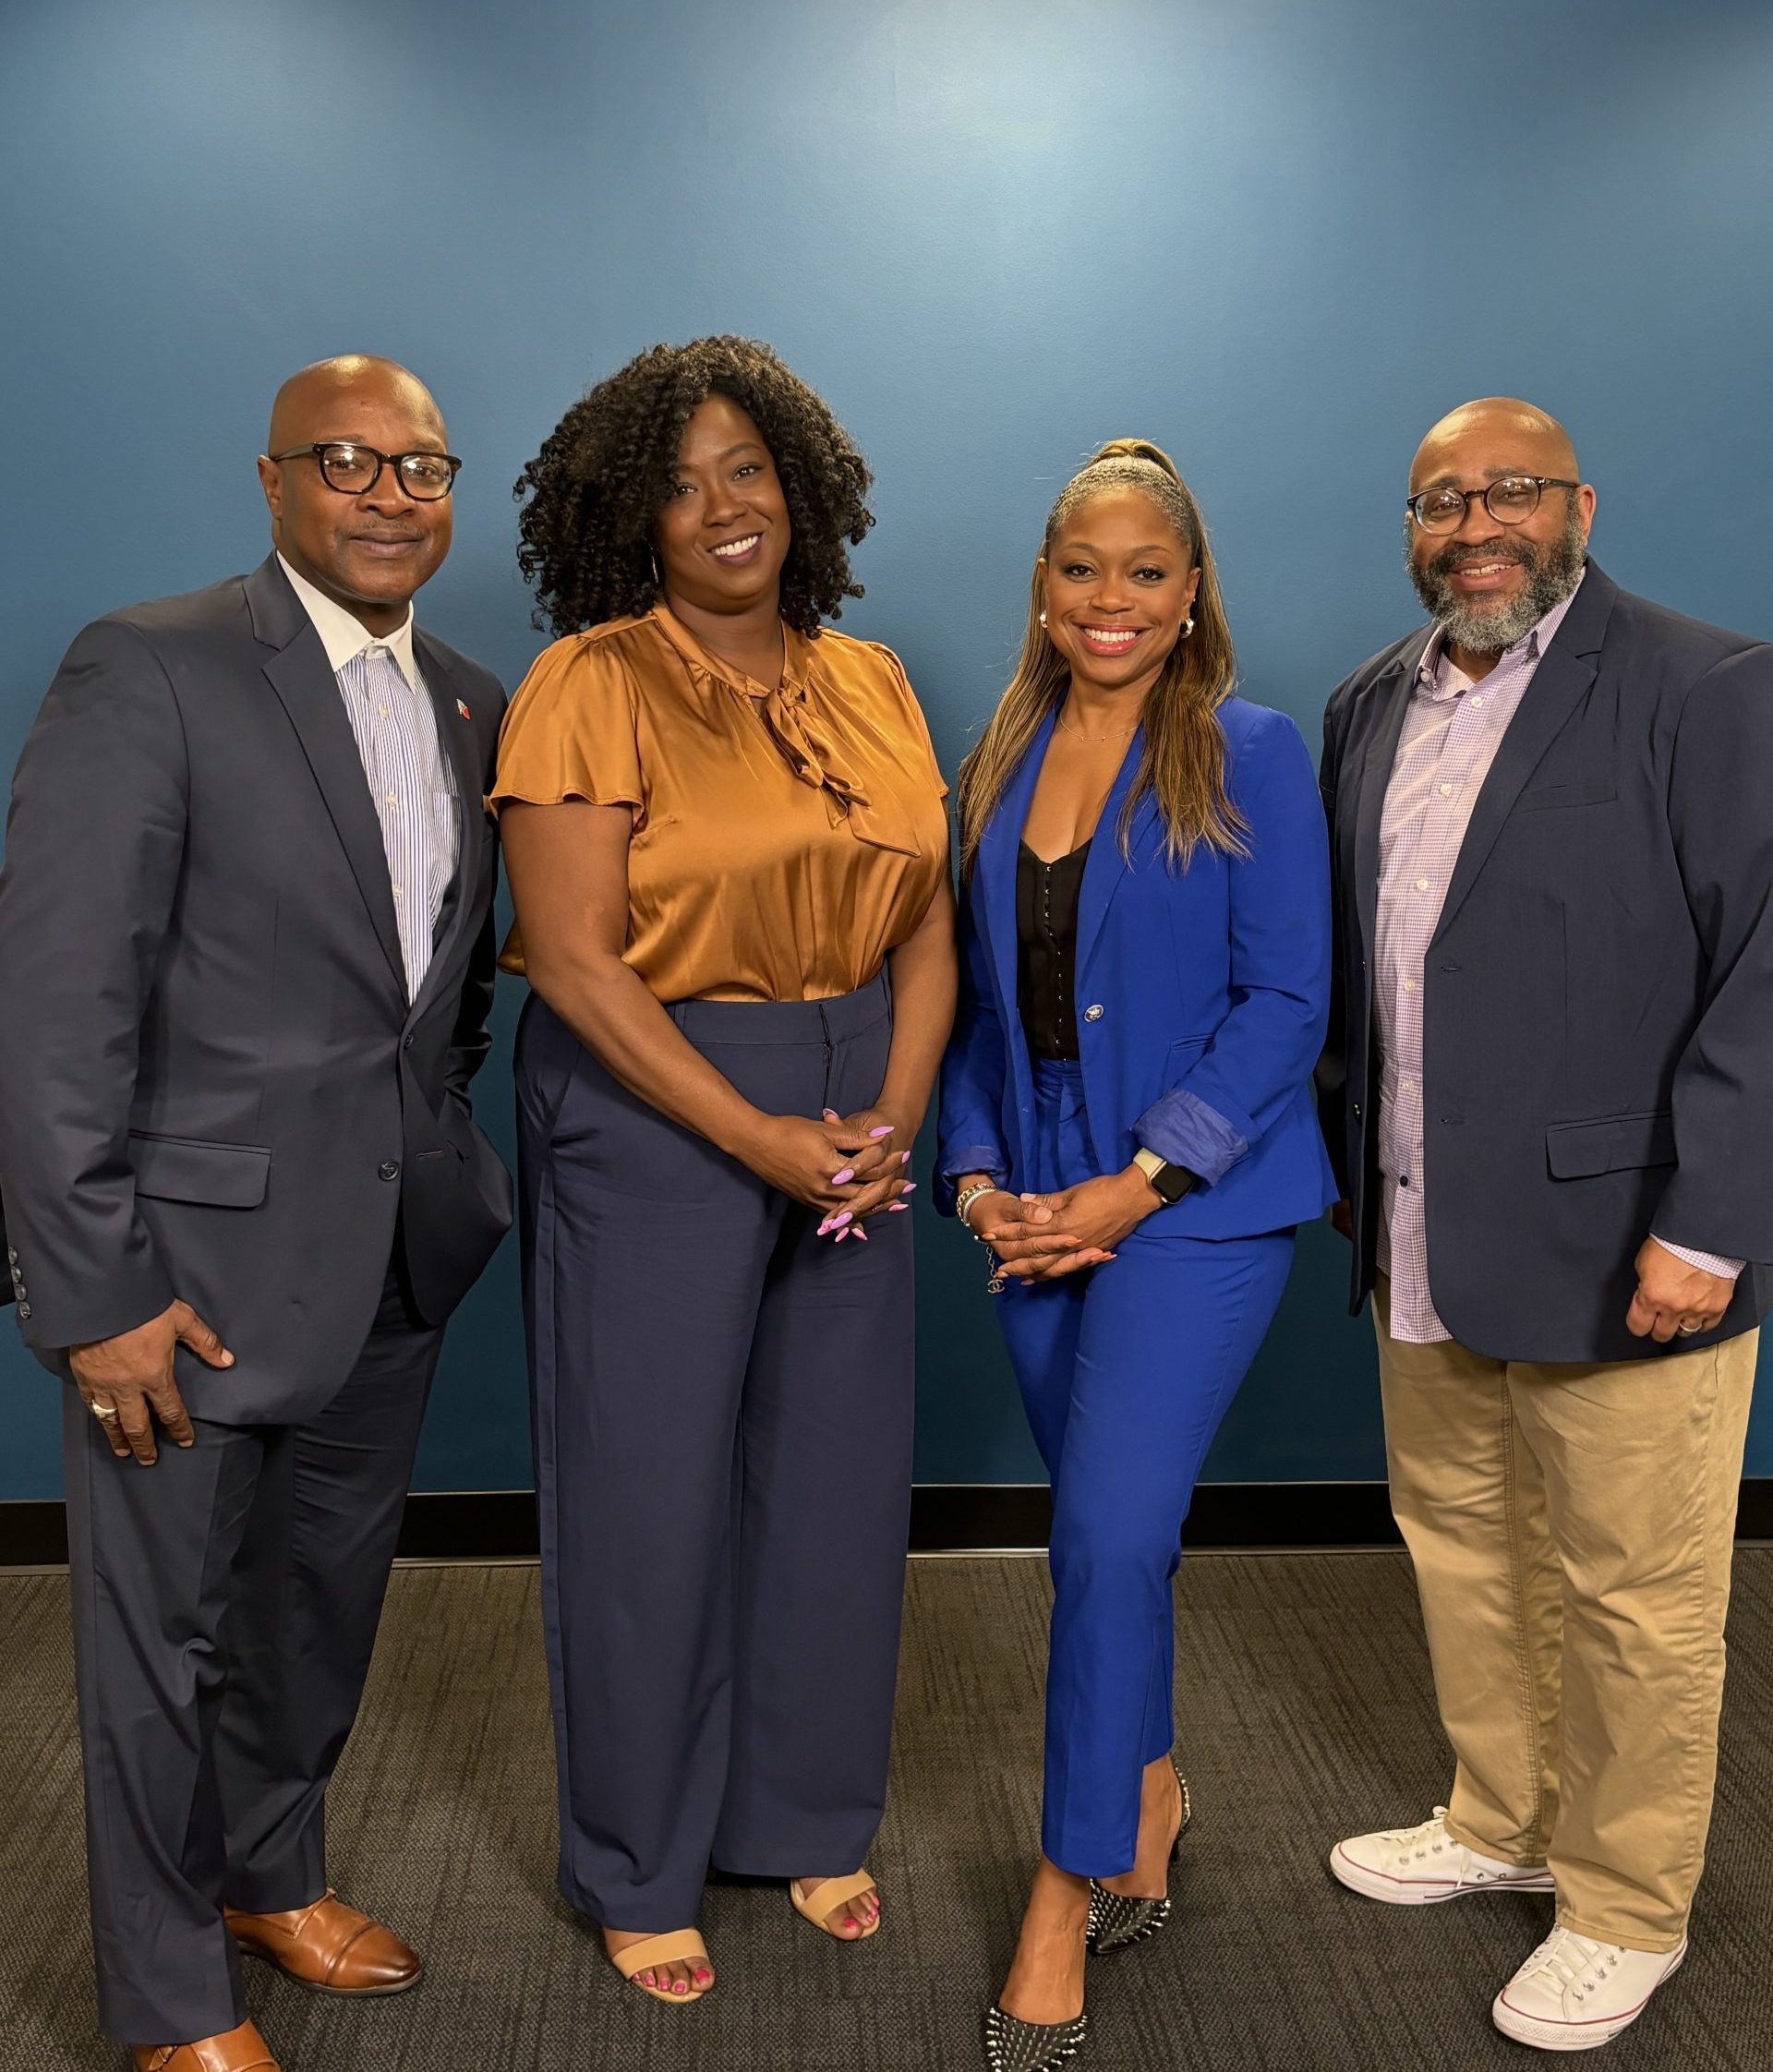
pixel 569 732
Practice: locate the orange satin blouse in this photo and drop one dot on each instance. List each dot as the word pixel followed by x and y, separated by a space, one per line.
pixel 783 840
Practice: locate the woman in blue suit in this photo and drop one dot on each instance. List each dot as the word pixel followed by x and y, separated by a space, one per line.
pixel 1127 1122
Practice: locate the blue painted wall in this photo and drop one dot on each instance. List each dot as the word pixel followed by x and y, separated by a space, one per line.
pixel 1280 237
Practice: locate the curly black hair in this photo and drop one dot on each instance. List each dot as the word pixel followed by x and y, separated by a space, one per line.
pixel 586 534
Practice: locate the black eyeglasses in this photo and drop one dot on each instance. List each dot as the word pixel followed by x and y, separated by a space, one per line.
pixel 1510 500
pixel 351 469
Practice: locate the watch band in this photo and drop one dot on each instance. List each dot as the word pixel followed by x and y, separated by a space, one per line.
pixel 1169 1182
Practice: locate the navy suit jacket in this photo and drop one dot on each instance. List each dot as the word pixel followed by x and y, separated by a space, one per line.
pixel 1201 995
pixel 215 1086
pixel 1597 998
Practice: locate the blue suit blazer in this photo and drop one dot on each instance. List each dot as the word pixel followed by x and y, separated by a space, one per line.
pixel 1202 995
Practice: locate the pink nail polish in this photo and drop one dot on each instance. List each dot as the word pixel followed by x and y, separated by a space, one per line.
pixel 842 1217
pixel 840 1237
pixel 886 1129
pixel 837 1179
pixel 898 1207
pixel 904 1158
pixel 823 1228
pixel 860 1234
pixel 910 1187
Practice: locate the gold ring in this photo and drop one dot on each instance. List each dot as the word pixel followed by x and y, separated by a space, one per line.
pixel 106 1410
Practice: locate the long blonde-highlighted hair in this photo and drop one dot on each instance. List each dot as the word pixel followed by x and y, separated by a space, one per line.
pixel 1183 761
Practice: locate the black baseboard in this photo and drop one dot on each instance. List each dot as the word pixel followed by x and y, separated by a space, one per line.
pixel 946 1517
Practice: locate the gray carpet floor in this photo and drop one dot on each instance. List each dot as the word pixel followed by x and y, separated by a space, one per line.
pixel 1305 1712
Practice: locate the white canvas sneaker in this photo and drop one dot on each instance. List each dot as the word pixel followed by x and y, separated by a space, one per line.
pixel 1418 1866
pixel 1572 1995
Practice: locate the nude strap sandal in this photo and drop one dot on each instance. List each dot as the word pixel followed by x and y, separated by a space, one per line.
pixel 683 1945
pixel 819 1906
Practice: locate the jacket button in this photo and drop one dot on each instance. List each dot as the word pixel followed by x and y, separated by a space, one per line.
pixel 1092 1013
pixel 24 1312
pixel 389 1169
pixel 1356 1110
pixel 405 1042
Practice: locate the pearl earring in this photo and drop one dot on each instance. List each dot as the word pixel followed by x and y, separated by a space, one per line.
pixel 1043 618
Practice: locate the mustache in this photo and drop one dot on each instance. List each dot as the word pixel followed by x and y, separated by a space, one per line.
pixel 1522 552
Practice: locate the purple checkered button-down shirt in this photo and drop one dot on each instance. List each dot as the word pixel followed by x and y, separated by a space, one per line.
pixel 1451 735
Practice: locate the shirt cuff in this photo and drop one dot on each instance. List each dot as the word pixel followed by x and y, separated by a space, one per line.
pixel 1183 1130
pixel 1708 1262
pixel 987 1158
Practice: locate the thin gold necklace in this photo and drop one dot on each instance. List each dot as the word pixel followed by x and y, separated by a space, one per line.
pixel 1124 733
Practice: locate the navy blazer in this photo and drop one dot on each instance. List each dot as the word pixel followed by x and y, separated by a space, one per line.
pixel 1201 995
pixel 216 1087
pixel 1597 998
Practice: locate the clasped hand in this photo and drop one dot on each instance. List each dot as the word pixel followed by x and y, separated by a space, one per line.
pixel 1041 1236
pixel 848 1167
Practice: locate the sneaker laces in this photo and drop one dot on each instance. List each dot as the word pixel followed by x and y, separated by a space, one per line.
pixel 1573 1960
pixel 1428 1837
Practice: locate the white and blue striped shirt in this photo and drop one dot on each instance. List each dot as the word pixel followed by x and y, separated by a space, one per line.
pixel 411 783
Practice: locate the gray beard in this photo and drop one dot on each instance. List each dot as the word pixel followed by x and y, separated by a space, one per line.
pixel 1552 572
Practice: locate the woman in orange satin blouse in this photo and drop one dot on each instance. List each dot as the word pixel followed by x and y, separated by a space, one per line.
pixel 727 845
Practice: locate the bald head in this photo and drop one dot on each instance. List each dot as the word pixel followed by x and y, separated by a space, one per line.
pixel 1525 438
pixel 367 549
pixel 1497 534
pixel 315 395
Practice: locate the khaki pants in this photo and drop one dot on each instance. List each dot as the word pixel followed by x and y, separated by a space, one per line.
pixel 1570 1528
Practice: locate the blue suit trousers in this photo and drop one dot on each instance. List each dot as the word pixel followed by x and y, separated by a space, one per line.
pixel 1126 1370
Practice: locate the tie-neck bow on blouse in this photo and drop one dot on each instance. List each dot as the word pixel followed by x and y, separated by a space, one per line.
pixel 784 839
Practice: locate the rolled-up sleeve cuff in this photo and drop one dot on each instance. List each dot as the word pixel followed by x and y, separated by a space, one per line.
pixel 1708 1262
pixel 987 1158
pixel 1183 1130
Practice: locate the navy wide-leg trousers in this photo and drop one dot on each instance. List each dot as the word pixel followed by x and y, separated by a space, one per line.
pixel 722 1408
pixel 1126 1371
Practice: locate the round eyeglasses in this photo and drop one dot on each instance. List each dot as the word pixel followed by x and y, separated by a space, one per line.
pixel 351 468
pixel 1510 500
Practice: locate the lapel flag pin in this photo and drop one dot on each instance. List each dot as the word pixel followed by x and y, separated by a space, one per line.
pixel 462 709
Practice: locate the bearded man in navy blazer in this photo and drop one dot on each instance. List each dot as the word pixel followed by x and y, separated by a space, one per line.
pixel 1549 1092
pixel 245 920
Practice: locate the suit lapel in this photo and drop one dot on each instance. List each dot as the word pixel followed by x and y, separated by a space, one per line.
pixel 1105 866
pixel 998 846
pixel 1561 683
pixel 459 741
pixel 303 680
pixel 1393 692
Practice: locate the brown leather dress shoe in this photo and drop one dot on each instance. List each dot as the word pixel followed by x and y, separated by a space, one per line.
pixel 329 1947
pixel 241 2049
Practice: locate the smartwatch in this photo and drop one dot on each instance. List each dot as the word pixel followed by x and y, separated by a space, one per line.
pixel 1170 1183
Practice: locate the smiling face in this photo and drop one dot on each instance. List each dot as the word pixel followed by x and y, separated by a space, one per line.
pixel 369 552
pixel 1116 584
pixel 723 534
pixel 1487 582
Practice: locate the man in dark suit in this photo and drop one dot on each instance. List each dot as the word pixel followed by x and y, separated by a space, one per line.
pixel 245 923
pixel 1549 1092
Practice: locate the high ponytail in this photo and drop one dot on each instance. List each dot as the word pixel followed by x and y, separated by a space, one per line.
pixel 1182 763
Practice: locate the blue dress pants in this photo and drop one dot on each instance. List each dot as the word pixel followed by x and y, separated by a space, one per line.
pixel 722 1406
pixel 1126 1370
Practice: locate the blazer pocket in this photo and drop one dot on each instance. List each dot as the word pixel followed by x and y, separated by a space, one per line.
pixel 1615 1144
pixel 1596 792
pixel 192 1169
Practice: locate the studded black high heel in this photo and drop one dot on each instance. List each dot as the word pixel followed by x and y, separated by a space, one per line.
pixel 1118 1922
pixel 1030 2046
